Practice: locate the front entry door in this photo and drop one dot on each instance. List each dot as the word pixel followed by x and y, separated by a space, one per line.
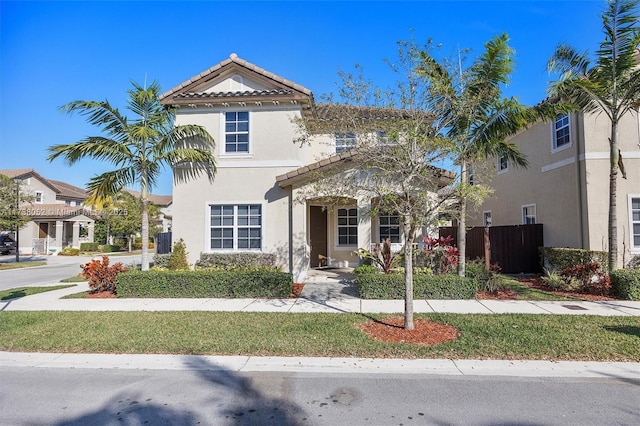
pixel 318 235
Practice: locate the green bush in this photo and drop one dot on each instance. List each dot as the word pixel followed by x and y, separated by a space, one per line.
pixel 178 258
pixel 89 246
pixel 69 251
pixel 555 258
pixel 109 248
pixel 239 283
pixel 625 283
pixel 242 259
pixel 425 286
pixel 365 269
pixel 161 260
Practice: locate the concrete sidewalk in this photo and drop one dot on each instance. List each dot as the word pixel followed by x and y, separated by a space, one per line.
pixel 319 297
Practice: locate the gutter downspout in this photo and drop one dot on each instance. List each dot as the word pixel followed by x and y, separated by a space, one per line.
pixel 580 140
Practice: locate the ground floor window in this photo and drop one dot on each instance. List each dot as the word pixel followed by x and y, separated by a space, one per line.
pixel 236 226
pixel 529 214
pixel 634 214
pixel 348 227
pixel 389 227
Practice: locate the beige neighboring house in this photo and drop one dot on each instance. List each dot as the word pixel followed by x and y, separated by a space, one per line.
pixel 164 204
pixel 58 217
pixel 566 186
pixel 257 201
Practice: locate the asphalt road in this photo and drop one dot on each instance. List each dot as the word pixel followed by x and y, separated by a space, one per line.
pixel 204 394
pixel 57 268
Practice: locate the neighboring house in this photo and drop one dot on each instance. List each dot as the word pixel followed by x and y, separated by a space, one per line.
pixel 58 217
pixel 566 186
pixel 164 203
pixel 257 200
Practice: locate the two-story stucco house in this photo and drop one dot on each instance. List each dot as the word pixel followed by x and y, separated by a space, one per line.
pixel 58 217
pixel 566 186
pixel 254 201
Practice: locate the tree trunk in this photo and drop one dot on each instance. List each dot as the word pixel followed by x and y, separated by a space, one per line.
pixel 144 198
pixel 613 196
pixel 462 223
pixel 408 275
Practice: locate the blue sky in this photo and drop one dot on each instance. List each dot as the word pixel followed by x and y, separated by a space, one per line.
pixel 52 52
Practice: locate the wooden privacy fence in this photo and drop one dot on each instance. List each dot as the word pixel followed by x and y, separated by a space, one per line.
pixel 514 248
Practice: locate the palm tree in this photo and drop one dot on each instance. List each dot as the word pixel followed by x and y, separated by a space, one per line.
pixel 139 148
pixel 468 105
pixel 611 86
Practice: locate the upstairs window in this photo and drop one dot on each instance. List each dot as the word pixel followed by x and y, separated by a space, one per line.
pixel 38 197
pixel 561 134
pixel 345 141
pixel 503 164
pixel 486 218
pixel 236 132
pixel 529 214
pixel 347 227
pixel 389 227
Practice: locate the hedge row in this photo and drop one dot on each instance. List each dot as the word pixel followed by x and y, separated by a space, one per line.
pixel 625 283
pixel 268 283
pixel 557 258
pixel 425 286
pixel 243 259
pixel 161 260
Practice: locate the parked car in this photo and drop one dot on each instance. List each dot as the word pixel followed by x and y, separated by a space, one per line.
pixel 7 244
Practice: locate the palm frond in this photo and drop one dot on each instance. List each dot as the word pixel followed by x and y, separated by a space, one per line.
pixel 109 184
pixel 96 147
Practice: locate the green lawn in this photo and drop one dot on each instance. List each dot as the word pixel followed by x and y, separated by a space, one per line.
pixel 13 293
pixel 528 293
pixel 508 336
pixel 22 264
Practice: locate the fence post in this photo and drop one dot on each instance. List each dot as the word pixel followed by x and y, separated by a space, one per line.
pixel 487 248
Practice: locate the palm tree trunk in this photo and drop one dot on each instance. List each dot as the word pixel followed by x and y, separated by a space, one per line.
pixel 613 197
pixel 408 274
pixel 144 198
pixel 462 223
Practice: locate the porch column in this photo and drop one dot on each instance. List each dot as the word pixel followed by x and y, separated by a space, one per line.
pixel 59 234
pixel 298 238
pixel 76 235
pixel 364 227
pixel 90 230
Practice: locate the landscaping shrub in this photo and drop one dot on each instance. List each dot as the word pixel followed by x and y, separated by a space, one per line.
pixel 238 283
pixel 441 256
pixel 101 275
pixel 425 286
pixel 487 279
pixel 554 258
pixel 161 260
pixel 231 260
pixel 591 279
pixel 109 248
pixel 625 283
pixel 382 256
pixel 365 269
pixel 69 251
pixel 556 281
pixel 634 263
pixel 178 258
pixel 89 246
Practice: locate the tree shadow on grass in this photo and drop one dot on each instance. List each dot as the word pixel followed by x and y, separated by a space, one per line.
pixel 631 330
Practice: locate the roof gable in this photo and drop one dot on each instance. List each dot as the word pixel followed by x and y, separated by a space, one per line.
pixel 24 174
pixel 235 80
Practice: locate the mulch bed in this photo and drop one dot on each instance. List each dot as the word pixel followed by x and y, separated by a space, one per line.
pixel 425 332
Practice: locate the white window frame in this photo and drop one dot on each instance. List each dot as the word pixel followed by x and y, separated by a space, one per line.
pixel 38 197
pixel 525 215
pixel 500 163
pixel 388 217
pixel 223 127
pixel 554 133
pixel 635 248
pixel 487 215
pixel 345 141
pixel 235 226
pixel 349 218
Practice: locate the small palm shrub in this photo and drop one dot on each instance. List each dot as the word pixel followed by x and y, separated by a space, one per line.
pixel 178 259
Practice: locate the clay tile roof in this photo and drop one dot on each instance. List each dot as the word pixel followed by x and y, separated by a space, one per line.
pixel 26 173
pixel 69 191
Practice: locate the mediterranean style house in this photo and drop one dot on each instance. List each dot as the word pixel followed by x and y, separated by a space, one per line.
pixel 566 186
pixel 257 201
pixel 58 217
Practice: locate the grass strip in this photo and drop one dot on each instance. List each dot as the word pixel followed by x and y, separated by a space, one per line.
pixel 503 336
pixel 14 293
pixel 527 293
pixel 74 279
pixel 22 264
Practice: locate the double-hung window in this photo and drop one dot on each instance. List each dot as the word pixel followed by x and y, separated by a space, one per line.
pixel 529 214
pixel 348 227
pixel 503 164
pixel 38 197
pixel 389 227
pixel 486 218
pixel 236 227
pixel 236 132
pixel 345 141
pixel 634 213
pixel 561 134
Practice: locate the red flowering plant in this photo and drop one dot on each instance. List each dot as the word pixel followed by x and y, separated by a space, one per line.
pixel 442 257
pixel 101 275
